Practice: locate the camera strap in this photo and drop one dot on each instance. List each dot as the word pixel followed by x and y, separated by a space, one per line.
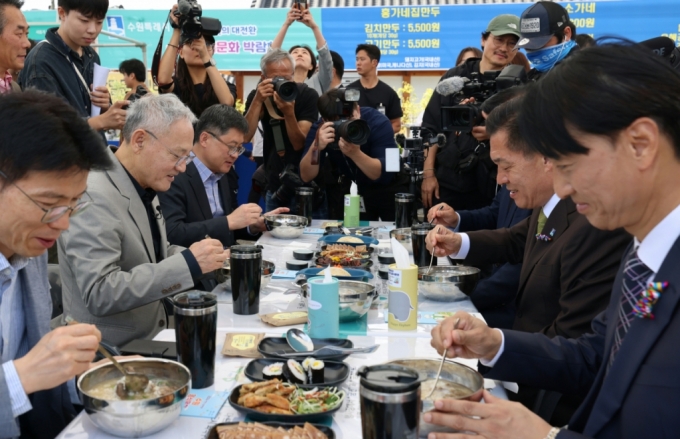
pixel 275 122
pixel 155 63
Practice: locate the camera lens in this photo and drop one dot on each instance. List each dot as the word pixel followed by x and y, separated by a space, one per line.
pixel 287 90
pixel 353 131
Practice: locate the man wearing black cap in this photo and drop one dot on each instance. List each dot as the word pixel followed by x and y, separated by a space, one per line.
pixel 547 37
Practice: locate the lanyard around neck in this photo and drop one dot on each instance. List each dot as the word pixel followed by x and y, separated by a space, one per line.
pixel 82 80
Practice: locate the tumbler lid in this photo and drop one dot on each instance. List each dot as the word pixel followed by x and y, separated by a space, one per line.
pixel 422 229
pixel 384 273
pixel 194 299
pixel 390 378
pixel 386 258
pixel 404 198
pixel 304 190
pixel 245 251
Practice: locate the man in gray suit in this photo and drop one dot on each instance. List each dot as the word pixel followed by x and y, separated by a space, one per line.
pixel 115 262
pixel 43 174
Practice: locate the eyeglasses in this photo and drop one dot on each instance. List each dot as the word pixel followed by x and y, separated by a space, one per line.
pixel 510 43
pixel 234 151
pixel 181 160
pixel 54 213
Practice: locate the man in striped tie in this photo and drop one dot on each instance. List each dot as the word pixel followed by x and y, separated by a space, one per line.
pixel 608 119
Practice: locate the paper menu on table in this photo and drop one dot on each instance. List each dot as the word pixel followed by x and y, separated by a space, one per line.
pixel 204 403
pixel 101 76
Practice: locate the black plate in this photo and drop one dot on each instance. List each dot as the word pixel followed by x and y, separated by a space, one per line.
pixel 259 416
pixel 335 372
pixel 330 434
pixel 269 345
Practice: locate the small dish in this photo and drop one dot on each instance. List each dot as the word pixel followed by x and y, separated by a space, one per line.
pixel 271 347
pixel 297 265
pixel 303 255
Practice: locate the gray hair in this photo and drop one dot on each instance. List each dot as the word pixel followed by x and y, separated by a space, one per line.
pixel 218 119
pixel 275 56
pixel 156 113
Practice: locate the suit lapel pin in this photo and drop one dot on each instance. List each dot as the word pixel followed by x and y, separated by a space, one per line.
pixel 645 304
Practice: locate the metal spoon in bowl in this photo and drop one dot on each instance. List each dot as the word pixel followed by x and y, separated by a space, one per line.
pixel 441 365
pixel 433 249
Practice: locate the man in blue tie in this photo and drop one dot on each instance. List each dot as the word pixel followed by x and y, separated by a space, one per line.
pixel 621 168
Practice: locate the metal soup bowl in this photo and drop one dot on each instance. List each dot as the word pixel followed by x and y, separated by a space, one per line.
pixel 404 238
pixel 136 418
pixel 355 298
pixel 447 283
pixel 223 274
pixel 285 226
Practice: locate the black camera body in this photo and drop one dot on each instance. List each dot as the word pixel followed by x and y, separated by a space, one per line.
pixel 192 24
pixel 287 90
pixel 463 118
pixel 290 180
pixel 353 131
pixel 138 94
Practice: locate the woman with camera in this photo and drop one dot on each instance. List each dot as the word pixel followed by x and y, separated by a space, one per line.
pixel 197 82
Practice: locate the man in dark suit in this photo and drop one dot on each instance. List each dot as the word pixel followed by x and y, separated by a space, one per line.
pixel 621 169
pixel 568 265
pixel 199 202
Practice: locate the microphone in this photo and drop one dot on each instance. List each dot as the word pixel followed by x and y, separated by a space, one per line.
pixel 450 86
pixel 183 7
pixel 159 215
pixel 662 46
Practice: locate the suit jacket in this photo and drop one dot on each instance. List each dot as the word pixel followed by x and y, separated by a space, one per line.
pixel 109 273
pixel 187 210
pixel 15 86
pixel 52 409
pixel 640 395
pixel 494 296
pixel 565 282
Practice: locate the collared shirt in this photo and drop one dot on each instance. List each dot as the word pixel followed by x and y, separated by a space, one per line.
pixel 6 83
pixel 212 190
pixel 13 341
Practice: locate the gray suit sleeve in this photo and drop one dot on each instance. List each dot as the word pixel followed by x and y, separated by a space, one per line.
pixel 325 73
pixel 8 425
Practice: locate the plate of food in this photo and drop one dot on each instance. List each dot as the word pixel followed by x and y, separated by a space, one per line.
pixel 270 430
pixel 309 373
pixel 350 262
pixel 274 347
pixel 349 240
pixel 275 400
pixel 339 272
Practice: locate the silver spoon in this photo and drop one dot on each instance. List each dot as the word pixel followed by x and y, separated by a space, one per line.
pixel 433 249
pixel 299 341
pixel 441 365
pixel 435 217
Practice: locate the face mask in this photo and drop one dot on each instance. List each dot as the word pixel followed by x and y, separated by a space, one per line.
pixel 545 59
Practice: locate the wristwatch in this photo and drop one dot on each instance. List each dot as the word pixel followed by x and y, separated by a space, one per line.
pixel 210 63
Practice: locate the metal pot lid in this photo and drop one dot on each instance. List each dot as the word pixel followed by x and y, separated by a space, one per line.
pixel 194 299
pixel 450 273
pixel 404 198
pixel 390 378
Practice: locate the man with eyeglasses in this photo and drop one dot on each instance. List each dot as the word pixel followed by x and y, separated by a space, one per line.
pixel 116 265
pixel 200 202
pixel 42 184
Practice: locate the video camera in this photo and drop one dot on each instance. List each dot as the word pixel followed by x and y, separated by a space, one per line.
pixel 192 24
pixel 463 118
pixel 290 180
pixel 415 146
pixel 353 131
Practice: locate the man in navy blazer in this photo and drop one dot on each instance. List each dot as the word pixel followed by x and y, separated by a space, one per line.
pixel 621 170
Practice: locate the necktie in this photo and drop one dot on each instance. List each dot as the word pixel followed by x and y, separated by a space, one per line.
pixel 635 276
pixel 541 222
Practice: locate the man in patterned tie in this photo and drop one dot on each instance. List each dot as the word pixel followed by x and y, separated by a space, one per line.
pixel 621 169
pixel 14 43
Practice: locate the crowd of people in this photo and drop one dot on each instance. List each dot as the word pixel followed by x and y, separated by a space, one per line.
pixel 566 191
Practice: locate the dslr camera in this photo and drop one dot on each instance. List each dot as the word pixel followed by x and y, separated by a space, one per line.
pixel 290 180
pixel 481 87
pixel 353 131
pixel 191 22
pixel 287 90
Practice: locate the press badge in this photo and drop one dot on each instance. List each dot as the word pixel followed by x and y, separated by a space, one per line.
pixel 362 206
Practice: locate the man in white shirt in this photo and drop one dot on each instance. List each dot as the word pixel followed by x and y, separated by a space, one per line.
pixel 621 169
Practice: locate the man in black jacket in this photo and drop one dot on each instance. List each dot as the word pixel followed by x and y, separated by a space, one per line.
pixel 199 201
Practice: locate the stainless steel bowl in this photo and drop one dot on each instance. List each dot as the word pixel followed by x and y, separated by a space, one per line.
pixel 285 226
pixel 447 283
pixel 452 372
pixel 223 274
pixel 138 417
pixel 404 237
pixel 355 298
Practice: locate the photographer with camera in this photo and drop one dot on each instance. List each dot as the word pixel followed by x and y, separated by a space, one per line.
pixel 134 77
pixel 461 174
pixel 197 82
pixel 354 138
pixel 287 110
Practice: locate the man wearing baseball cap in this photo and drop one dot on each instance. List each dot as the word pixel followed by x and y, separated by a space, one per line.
pixel 442 182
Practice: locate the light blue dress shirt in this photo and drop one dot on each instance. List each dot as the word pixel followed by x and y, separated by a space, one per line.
pixel 210 182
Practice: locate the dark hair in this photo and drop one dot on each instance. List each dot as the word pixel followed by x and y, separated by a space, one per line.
pixel 133 67
pixel 63 142
pixel 371 50
pixel 327 104
pixel 584 40
pixel 504 117
pixel 477 52
pixel 3 3
pixel 560 32
pixel 338 63
pixel 218 119
pixel 601 91
pixel 520 59
pixel 90 8
pixel 188 94
pixel 311 71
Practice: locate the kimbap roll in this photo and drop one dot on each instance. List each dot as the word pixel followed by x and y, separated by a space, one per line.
pixel 308 362
pixel 316 372
pixel 273 371
pixel 294 372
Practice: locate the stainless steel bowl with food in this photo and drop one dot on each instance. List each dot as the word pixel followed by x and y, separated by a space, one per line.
pixel 447 283
pixel 140 414
pixel 285 226
pixel 404 238
pixel 223 274
pixel 355 298
pixel 457 381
